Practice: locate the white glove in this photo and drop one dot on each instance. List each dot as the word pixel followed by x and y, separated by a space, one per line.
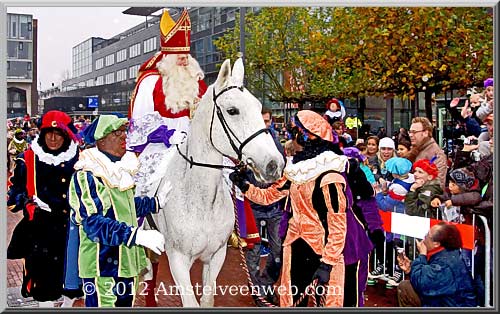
pixel 152 239
pixel 163 193
pixel 41 204
pixel 178 137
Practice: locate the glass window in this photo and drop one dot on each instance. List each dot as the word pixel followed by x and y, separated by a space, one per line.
pixel 110 59
pixel 12 49
pixel 121 75
pixel 121 55
pixel 132 71
pixel 209 44
pixel 25 27
pixel 204 22
pixel 150 44
pixel 135 50
pixel 14 22
pixel 110 78
pixel 99 63
pixel 217 16
pixel 230 15
pixel 90 83
pixel 99 80
pixel 198 47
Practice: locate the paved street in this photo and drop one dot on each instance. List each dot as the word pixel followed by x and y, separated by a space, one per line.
pixel 231 274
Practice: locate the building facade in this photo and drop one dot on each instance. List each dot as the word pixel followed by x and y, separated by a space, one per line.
pixel 107 68
pixel 22 96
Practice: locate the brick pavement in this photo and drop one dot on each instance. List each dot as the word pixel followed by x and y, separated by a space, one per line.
pixel 231 274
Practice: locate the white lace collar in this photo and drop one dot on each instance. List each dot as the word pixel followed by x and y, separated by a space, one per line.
pixel 53 159
pixel 18 141
pixel 310 169
pixel 118 174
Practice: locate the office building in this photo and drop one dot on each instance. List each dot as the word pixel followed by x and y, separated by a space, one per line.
pixel 107 68
pixel 22 96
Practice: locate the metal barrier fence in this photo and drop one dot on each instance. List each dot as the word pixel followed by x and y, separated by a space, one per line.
pixel 417 227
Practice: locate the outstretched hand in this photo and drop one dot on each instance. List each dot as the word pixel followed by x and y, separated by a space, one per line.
pixel 454 102
pixel 239 179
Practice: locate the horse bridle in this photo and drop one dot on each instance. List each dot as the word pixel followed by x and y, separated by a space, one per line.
pixel 229 133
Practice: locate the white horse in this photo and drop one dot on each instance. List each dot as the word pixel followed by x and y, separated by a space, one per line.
pixel 198 217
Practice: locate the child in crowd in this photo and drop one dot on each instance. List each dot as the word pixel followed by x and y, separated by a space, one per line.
pixel 487 106
pixel 339 132
pixel 334 111
pixel 392 199
pixel 354 152
pixel 467 115
pixel 404 147
pixel 426 187
pixel 464 194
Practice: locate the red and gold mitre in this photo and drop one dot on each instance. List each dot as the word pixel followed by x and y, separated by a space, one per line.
pixel 175 37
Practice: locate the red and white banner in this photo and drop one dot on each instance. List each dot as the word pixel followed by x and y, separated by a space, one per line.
pixel 417 227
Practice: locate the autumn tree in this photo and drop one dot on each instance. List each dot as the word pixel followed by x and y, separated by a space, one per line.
pixel 406 50
pixel 299 54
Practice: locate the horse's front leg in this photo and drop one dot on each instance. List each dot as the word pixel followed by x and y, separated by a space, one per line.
pixel 211 269
pixel 180 266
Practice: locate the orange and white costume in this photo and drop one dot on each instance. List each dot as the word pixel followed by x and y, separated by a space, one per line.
pixel 305 223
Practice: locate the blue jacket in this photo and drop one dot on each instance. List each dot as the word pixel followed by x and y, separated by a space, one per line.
pixel 443 281
pixel 263 211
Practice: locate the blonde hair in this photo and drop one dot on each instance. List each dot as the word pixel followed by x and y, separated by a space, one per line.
pixel 289 148
pixel 426 124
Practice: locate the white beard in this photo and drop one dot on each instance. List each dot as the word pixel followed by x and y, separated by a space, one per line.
pixel 180 84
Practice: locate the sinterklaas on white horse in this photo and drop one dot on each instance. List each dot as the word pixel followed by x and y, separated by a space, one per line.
pixel 198 217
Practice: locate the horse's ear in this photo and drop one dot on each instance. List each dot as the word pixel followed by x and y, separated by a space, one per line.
pixel 238 72
pixel 223 77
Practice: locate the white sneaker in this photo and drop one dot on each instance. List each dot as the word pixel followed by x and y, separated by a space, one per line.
pixel 378 272
pixel 394 280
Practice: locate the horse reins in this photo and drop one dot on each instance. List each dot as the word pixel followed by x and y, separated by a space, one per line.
pixel 239 164
pixel 229 133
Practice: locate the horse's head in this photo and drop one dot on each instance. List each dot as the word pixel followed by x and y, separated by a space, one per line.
pixel 235 124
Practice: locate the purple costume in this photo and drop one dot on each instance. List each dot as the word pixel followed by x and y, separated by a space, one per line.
pixel 357 244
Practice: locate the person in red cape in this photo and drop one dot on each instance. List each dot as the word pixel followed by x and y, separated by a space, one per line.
pixel 39 188
pixel 168 89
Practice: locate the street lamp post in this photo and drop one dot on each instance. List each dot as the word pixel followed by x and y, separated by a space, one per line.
pixel 242 32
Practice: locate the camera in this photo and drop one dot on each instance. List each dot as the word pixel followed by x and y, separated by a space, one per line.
pixel 472 141
pixel 476 155
pixel 400 251
pixel 471 91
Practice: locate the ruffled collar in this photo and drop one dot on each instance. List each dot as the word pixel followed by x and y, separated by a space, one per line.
pixel 310 169
pixel 118 174
pixel 18 141
pixel 50 159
